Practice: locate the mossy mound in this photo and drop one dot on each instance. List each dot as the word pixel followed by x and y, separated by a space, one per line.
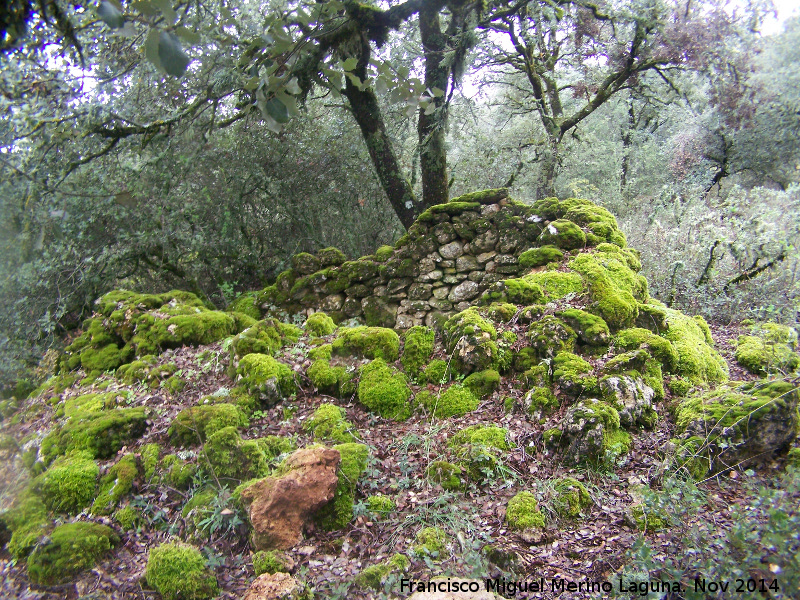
pixel 374 576
pixel 70 484
pixel 590 431
pixel 430 541
pixel 178 572
pixel 445 474
pixel 482 383
pixel 319 324
pixel 570 498
pixel 367 342
pixel 331 380
pixel 384 391
pixel 339 511
pixel 737 422
pixel 523 512
pixel 455 401
pixel 194 424
pixel 269 561
pixel 417 349
pixel 101 433
pixel 228 456
pixel 69 549
pixel 264 337
pixel 381 505
pixel 471 340
pixel 328 423
pixel 770 348
pixel 129 325
pixel 266 378
pixel 115 485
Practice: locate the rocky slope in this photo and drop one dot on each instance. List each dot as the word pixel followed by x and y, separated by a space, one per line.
pixel 497 394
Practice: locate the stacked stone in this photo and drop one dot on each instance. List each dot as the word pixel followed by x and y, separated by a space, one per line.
pixel 448 259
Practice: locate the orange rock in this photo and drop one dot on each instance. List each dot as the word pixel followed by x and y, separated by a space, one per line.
pixel 280 506
pixel 280 586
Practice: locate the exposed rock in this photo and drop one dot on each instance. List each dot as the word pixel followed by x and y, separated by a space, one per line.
pixel 280 506
pixel 467 263
pixel 632 398
pixel 451 250
pixel 280 586
pixel 464 291
pixel 442 583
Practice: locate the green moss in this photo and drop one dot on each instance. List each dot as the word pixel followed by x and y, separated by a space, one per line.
pixel 483 383
pixel 591 329
pixel 331 257
pixel 518 291
pixel 228 456
pixel 328 423
pixel 793 458
pixel 563 234
pixel 523 512
pixel 373 577
pixel 269 561
pixel 437 372
pixel 246 304
pixel 263 337
pixel 319 324
pixel 338 513
pixel 490 436
pixel 615 289
pixel 128 518
pixel 194 424
pixel 70 549
pixel 573 374
pixel 451 208
pixel 382 505
pixel 661 348
pixel 601 224
pixel 70 483
pixel 698 362
pixel 384 253
pixel 265 377
pixel 470 338
pixel 499 311
pixel 771 349
pixel 456 400
pixel 137 370
pixel 85 403
pixel 332 381
pixel 178 473
pixel 368 342
pixel 384 390
pixel 102 433
pixel 556 284
pixel 446 474
pixel 321 352
pixel 417 349
pixel 430 541
pixel 538 257
pixel 178 572
pixel 571 497
pixel 541 401
pixel 115 485
pixel 27 520
pixel 275 446
pixel 550 336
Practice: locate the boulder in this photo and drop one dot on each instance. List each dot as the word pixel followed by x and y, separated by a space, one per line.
pixel 280 506
pixel 280 586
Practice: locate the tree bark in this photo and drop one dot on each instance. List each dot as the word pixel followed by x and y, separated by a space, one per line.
pixel 365 109
pixel 545 187
pixel 431 127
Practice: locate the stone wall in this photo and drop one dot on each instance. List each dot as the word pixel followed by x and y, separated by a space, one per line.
pixel 450 256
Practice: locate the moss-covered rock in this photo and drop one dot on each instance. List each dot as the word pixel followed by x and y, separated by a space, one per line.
pixel 437 372
pixel 769 349
pixel 550 336
pixel 331 257
pixel 563 234
pixel 591 429
pixel 178 572
pixel 374 576
pixel 228 456
pixel 246 304
pixel 523 512
pixel 381 505
pixel 557 284
pixel 482 383
pixel 70 484
pixel 570 497
pixel 339 511
pixel 698 362
pixel 101 433
pixel 28 522
pixel 270 561
pixel 445 474
pixel 417 349
pixel 328 423
pixel 194 424
pixel 516 290
pixel 471 339
pixel 660 348
pixel 367 342
pixel 738 421
pixel 482 435
pixel 267 379
pixel 538 257
pixel 115 484
pixel 456 400
pixel 430 541
pixel 319 324
pixel 384 253
pixel 331 380
pixel 69 549
pixel 128 518
pixel 264 337
pixel 574 375
pixel 384 390
pixel 591 329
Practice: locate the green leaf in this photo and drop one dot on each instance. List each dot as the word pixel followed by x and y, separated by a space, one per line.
pixel 355 81
pixel 145 8
pixel 151 48
pixel 111 15
pixel 277 110
pixel 173 59
pixel 289 102
pixel 437 93
pixel 293 87
pixel 252 83
pixel 165 6
pixel 187 35
pixel 381 87
pixel 350 64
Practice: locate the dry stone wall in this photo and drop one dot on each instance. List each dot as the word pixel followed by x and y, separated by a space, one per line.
pixel 447 260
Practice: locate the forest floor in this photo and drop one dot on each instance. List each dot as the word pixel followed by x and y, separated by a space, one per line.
pixel 592 548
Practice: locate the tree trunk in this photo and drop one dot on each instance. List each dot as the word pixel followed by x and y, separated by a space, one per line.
pixel 364 105
pixel 547 170
pixel 431 127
